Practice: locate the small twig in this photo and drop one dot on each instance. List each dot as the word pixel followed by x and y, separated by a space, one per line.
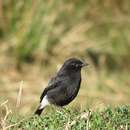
pixel 11 126
pixel 3 121
pixel 88 120
pixel 7 112
pixel 4 103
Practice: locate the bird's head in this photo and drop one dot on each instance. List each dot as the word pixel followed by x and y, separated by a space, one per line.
pixel 73 64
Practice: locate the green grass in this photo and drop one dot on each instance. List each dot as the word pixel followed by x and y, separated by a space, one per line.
pixel 72 119
pixel 44 34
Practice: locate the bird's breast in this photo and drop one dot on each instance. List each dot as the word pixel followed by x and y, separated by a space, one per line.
pixel 65 91
pixel 73 88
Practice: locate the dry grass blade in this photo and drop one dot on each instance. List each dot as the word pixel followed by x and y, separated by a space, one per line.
pixel 2 104
pixel 19 94
pixel 3 121
pixel 8 111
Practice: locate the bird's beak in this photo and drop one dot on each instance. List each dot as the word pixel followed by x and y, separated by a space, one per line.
pixel 85 64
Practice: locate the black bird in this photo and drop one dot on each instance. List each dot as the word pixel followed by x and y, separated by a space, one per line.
pixel 64 87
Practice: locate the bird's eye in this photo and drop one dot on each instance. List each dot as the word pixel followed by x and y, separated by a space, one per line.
pixel 73 64
pixel 77 65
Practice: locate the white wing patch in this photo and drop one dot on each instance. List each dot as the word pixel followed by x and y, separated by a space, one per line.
pixel 44 102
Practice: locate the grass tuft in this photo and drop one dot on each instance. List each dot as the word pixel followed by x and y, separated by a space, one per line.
pixel 69 119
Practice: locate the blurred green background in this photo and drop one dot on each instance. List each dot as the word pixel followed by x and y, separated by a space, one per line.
pixel 36 37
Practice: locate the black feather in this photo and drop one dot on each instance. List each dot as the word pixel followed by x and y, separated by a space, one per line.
pixel 38 112
pixel 64 87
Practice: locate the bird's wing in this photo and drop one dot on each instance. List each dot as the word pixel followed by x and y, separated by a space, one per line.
pixel 51 85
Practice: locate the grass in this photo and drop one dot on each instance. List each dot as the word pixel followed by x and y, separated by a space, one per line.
pixel 35 28
pixel 44 34
pixel 72 119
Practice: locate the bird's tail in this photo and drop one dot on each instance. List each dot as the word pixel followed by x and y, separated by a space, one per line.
pixel 38 111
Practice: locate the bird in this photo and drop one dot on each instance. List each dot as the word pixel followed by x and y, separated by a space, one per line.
pixel 64 86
